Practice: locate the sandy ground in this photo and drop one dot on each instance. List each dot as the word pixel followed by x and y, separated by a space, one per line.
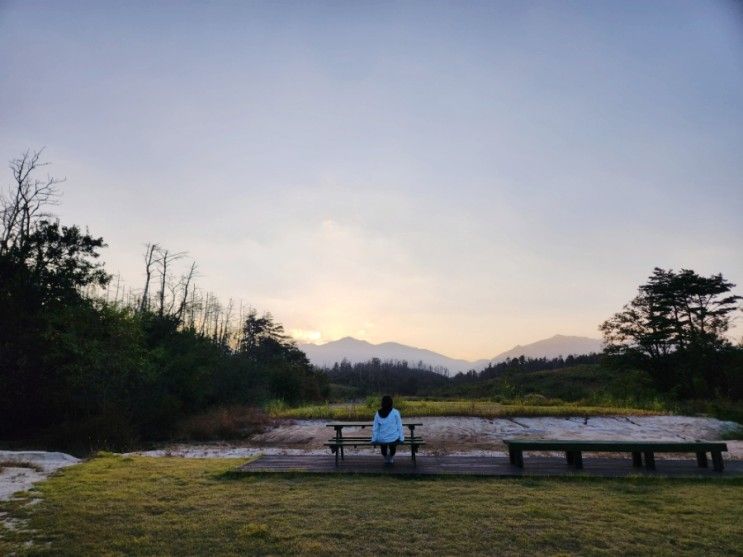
pixel 473 436
pixel 20 478
pixel 33 467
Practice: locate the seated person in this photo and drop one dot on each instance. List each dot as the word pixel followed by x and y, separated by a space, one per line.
pixel 387 430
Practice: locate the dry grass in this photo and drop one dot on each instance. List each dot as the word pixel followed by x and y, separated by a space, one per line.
pixel 171 506
pixel 223 422
pixel 19 464
pixel 479 408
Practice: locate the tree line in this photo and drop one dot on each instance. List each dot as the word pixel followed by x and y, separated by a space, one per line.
pixel 385 376
pixel 524 364
pixel 377 376
pixel 79 366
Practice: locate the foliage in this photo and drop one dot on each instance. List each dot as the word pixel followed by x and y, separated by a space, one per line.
pixel 523 364
pixel 223 422
pixel 672 312
pixel 398 377
pixel 675 329
pixel 148 506
pixel 377 376
pixel 78 372
pixel 580 383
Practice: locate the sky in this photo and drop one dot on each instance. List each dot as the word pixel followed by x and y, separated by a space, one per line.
pixel 458 176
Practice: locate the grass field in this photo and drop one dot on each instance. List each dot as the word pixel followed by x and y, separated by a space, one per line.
pixel 145 506
pixel 481 408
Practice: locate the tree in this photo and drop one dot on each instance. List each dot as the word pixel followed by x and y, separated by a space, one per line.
pixel 38 255
pixel 262 336
pixel 25 202
pixel 44 270
pixel 673 311
pixel 149 257
pixel 85 372
pixel 676 328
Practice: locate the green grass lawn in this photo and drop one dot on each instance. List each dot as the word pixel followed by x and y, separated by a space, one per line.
pixel 481 408
pixel 146 506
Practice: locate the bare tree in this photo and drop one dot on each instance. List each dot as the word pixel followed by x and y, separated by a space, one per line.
pixel 165 259
pixel 185 284
pixel 25 201
pixel 225 332
pixel 149 257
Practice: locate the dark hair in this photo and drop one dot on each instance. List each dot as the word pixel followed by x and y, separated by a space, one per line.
pixel 386 408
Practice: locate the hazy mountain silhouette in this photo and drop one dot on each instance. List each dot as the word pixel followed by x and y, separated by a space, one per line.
pixel 558 345
pixel 355 350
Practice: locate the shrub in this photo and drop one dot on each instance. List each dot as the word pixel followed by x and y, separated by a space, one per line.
pixel 223 422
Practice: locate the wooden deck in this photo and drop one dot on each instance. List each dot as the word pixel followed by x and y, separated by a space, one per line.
pixel 483 466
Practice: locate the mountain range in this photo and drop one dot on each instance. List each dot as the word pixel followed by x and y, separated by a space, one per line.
pixel 355 350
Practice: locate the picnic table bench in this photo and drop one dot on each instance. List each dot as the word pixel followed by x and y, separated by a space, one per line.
pixel 639 449
pixel 339 442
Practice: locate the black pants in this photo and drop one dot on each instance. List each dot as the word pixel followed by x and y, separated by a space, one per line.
pixel 391 446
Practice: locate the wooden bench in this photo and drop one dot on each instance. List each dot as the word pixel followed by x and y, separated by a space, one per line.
pixel 639 449
pixel 339 442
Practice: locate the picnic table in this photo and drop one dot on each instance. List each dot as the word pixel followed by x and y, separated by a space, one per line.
pixel 338 442
pixel 574 450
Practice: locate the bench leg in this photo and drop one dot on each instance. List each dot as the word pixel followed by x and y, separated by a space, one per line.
pixel 511 456
pixel 702 459
pixel 650 460
pixel 578 458
pixel 412 453
pixel 637 459
pixel 570 457
pixel 337 452
pixel 518 459
pixel 717 461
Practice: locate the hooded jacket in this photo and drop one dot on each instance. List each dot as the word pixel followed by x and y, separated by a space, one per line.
pixel 388 429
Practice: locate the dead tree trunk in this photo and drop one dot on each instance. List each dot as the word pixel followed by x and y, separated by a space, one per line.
pixel 148 262
pixel 186 282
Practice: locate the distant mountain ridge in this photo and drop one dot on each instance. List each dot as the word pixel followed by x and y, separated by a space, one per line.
pixel 558 345
pixel 355 350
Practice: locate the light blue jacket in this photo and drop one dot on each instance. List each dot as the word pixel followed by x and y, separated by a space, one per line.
pixel 389 429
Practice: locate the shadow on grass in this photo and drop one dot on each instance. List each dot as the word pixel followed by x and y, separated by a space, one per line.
pixel 629 484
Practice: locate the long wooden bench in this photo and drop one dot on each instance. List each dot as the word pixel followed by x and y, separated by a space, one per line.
pixel 639 449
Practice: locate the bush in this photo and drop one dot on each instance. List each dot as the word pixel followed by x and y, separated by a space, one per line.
pixel 223 422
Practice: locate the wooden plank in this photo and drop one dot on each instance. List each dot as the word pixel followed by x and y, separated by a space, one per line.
pixel 367 424
pixel 368 437
pixel 615 446
pixel 366 442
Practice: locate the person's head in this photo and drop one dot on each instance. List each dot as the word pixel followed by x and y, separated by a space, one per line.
pixel 386 404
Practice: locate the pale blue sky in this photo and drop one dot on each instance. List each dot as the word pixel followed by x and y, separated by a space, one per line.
pixel 459 176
